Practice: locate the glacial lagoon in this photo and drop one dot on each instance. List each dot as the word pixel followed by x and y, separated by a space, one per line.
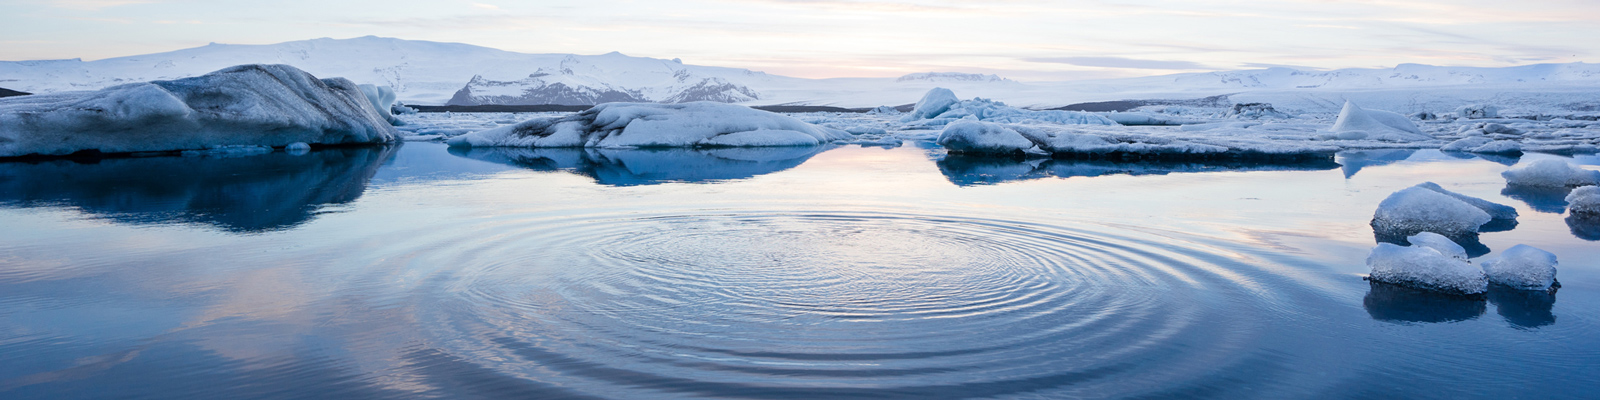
pixel 821 272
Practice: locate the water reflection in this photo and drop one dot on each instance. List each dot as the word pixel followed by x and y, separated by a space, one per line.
pixel 1502 159
pixel 1394 303
pixel 1541 198
pixel 254 193
pixel 1524 308
pixel 632 167
pixel 1353 161
pixel 966 170
pixel 1584 226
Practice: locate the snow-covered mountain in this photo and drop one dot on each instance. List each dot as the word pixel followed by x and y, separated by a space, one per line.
pixel 424 72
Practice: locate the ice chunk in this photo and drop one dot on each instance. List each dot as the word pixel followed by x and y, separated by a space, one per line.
pixel 1417 209
pixel 981 137
pixel 1424 268
pixel 1523 267
pixel 933 103
pixel 1466 144
pixel 1495 210
pixel 1377 125
pixel 1551 173
pixel 297 148
pixel 1438 243
pixel 1256 111
pixel 1584 200
pixel 940 107
pixel 1477 111
pixel 643 125
pixel 1499 147
pixel 246 105
pixel 382 99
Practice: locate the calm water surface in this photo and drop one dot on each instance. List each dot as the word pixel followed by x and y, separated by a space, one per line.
pixel 421 271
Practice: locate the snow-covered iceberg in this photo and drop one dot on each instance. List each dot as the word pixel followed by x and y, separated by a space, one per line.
pixel 1584 200
pixel 1424 267
pixel 1357 123
pixel 1429 208
pixel 256 105
pixel 940 107
pixel 644 125
pixel 1523 267
pixel 1551 173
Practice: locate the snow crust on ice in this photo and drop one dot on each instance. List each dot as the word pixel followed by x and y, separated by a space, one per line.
pixel 1584 200
pixel 1420 209
pixel 1551 173
pixel 1522 267
pixel 256 105
pixel 1357 123
pixel 635 125
pixel 1424 267
pixel 1438 243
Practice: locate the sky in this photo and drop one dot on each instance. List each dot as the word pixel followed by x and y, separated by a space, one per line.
pixel 1019 39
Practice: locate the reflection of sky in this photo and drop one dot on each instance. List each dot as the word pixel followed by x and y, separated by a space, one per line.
pixel 336 286
pixel 1027 39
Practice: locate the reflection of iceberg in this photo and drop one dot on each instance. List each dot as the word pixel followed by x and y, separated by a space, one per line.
pixel 1584 226
pixel 1394 303
pixel 968 170
pixel 1524 308
pixel 1354 160
pixel 628 167
pixel 241 194
pixel 1541 198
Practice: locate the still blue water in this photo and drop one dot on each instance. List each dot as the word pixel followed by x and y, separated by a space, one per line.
pixel 421 271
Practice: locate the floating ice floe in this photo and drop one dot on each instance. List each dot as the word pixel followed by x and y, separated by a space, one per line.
pixel 1522 267
pixel 940 107
pixel 1584 200
pixel 1551 173
pixel 643 125
pixel 246 105
pixel 1424 267
pixel 975 137
pixel 1355 123
pixel 1429 208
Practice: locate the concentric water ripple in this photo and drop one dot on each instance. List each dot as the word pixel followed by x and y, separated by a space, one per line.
pixel 769 304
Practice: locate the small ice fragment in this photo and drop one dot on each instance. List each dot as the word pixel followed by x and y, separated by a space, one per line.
pixel 1523 267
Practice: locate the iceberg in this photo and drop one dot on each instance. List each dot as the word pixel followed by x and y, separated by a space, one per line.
pixel 1551 173
pixel 1357 123
pixel 1420 209
pixel 646 125
pixel 1423 267
pixel 246 105
pixel 1095 142
pixel 1523 267
pixel 940 107
pixel 382 99
pixel 1584 200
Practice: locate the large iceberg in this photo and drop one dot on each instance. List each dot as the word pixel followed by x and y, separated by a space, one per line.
pixel 646 125
pixel 254 105
pixel 1523 267
pixel 1357 123
pixel 1424 209
pixel 940 107
pixel 1424 267
pixel 1551 173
